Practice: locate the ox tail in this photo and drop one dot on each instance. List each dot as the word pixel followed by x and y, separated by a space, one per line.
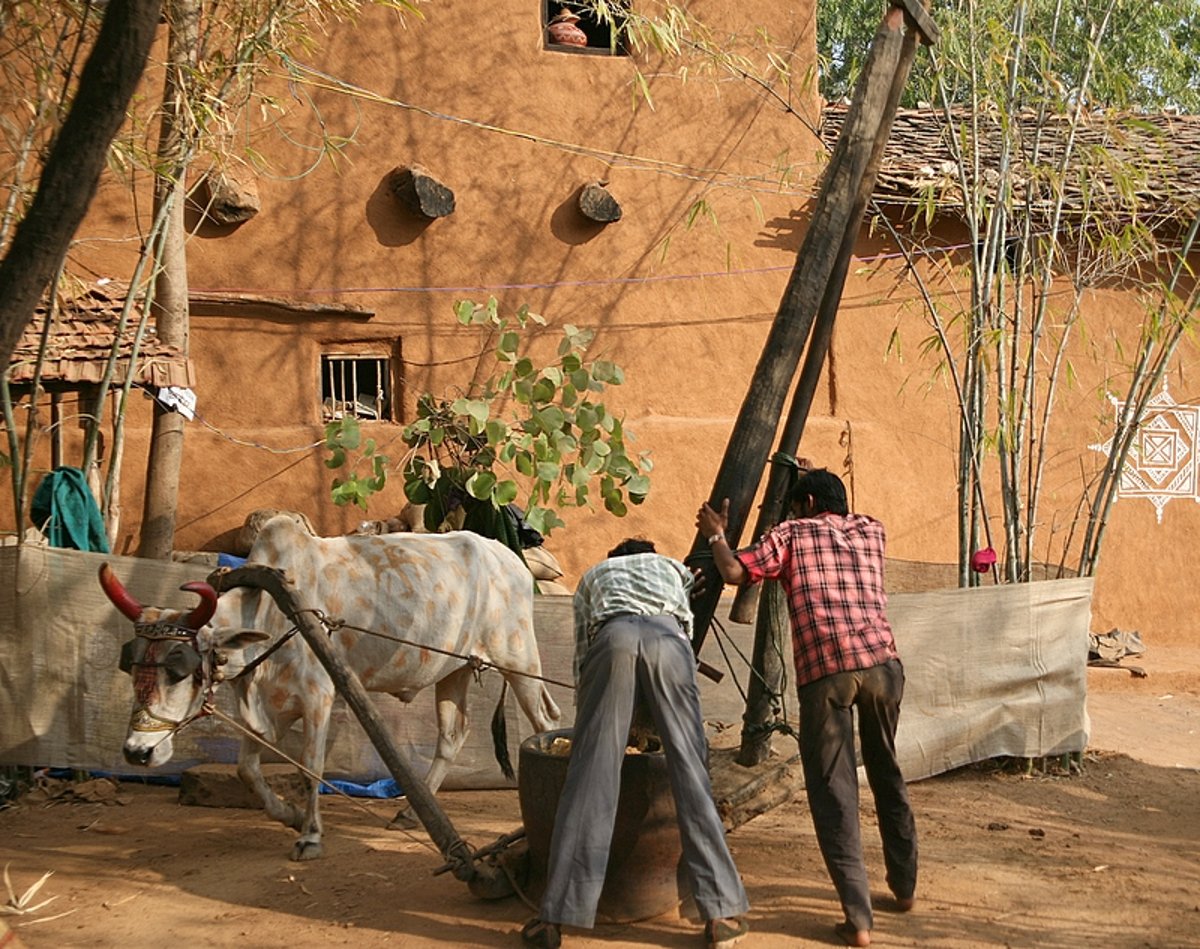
pixel 500 735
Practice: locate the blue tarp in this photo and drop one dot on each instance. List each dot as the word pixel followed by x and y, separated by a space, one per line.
pixel 383 788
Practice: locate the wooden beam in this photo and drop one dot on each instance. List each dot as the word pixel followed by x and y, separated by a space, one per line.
pixel 834 216
pixel 458 855
pixel 773 625
pixel 203 303
pixel 921 19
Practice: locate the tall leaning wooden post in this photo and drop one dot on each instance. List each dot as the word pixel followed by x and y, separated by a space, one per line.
pixel 814 288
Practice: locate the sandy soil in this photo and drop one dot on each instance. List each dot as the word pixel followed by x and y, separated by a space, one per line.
pixel 1107 858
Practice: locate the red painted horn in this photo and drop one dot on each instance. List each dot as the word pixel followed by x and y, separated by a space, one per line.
pixel 121 598
pixel 205 608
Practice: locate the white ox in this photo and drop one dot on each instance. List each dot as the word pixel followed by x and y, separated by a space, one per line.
pixel 458 592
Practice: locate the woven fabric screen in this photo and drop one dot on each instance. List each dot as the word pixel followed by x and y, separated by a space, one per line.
pixel 991 671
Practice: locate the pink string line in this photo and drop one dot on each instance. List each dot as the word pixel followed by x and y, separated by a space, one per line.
pixel 550 285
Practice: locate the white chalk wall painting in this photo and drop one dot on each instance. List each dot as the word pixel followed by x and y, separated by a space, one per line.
pixel 1162 462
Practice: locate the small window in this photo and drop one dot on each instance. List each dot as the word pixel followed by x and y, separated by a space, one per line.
pixel 586 27
pixel 358 386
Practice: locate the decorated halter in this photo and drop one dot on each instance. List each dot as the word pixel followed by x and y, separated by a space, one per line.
pixel 173 647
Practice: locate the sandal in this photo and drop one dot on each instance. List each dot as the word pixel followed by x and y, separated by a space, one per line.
pixel 541 935
pixel 719 934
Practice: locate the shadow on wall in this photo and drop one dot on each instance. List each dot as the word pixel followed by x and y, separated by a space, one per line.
pixel 569 225
pixel 393 226
pixel 786 233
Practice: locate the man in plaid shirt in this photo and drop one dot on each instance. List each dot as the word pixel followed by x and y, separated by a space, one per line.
pixel 830 563
pixel 633 621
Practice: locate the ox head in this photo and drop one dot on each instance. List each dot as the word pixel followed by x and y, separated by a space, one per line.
pixel 174 659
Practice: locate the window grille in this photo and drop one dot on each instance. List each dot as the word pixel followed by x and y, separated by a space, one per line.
pixel 356 386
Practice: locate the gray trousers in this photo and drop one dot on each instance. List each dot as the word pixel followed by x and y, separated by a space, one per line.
pixel 635 656
pixel 831 780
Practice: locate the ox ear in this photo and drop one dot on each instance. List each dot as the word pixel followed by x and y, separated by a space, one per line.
pixel 232 651
pixel 243 638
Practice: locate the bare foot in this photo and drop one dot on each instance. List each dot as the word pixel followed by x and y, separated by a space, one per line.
pixel 900 904
pixel 851 936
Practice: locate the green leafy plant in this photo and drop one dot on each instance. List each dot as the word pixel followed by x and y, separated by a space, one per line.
pixel 540 431
pixel 343 439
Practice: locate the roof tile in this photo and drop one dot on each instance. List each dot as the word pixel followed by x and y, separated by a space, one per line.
pixel 81 341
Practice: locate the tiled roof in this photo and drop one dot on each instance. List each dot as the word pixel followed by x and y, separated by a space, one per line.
pixel 81 343
pixel 918 160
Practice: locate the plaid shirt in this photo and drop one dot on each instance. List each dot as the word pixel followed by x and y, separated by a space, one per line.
pixel 831 568
pixel 642 584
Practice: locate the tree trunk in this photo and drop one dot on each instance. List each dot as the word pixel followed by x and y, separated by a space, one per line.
pixel 72 170
pixel 170 301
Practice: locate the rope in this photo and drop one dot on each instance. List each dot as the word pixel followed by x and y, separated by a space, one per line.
pixel 318 778
pixel 263 657
pixel 720 637
pixel 778 703
pixel 516 886
pixel 474 661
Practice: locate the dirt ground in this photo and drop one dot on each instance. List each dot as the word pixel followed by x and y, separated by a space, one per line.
pixel 1108 858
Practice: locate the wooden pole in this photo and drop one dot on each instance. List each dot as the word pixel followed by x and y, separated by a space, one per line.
pixel 834 217
pixel 458 855
pixel 170 304
pixel 769 660
pixel 775 500
pixel 772 627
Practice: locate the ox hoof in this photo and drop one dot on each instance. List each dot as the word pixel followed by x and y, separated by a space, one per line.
pixel 405 819
pixel 306 850
pixel 489 883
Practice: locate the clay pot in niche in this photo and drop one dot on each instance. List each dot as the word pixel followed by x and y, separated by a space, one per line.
pixel 564 31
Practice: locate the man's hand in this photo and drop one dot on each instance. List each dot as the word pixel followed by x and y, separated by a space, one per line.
pixel 712 523
pixel 709 521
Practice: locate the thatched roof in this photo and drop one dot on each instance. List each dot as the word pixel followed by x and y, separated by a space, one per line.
pixel 81 341
pixel 1165 148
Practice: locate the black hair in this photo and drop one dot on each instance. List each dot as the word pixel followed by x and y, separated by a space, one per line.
pixel 632 545
pixel 825 491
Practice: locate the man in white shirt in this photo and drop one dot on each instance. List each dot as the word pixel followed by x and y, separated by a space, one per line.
pixel 633 642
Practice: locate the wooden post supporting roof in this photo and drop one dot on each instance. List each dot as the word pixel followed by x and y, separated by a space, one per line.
pixel 813 292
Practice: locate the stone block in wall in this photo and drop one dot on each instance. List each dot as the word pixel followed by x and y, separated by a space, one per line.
pixel 229 196
pixel 416 189
pixel 596 203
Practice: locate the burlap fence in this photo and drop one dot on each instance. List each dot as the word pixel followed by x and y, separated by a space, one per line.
pixel 992 671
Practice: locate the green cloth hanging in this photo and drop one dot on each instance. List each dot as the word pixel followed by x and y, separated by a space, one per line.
pixel 64 510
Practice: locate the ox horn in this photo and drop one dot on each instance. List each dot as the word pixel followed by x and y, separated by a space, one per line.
pixel 116 592
pixel 205 608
